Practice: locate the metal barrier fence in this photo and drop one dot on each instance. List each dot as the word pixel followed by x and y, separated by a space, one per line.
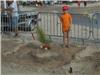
pixel 51 24
pixel 26 20
pixel 96 26
pixel 82 26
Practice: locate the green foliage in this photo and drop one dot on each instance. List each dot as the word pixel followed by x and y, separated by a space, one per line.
pixel 41 35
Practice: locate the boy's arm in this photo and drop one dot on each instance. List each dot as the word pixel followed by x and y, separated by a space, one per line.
pixel 61 22
pixel 70 20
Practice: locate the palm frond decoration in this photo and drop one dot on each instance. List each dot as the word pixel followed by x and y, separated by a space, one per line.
pixel 41 35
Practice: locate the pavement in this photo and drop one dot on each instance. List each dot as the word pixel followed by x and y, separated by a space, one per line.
pixel 85 62
pixel 93 7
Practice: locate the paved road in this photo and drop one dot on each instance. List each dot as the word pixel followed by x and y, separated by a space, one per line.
pixel 57 8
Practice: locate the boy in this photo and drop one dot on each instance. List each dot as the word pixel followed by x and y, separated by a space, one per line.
pixel 66 21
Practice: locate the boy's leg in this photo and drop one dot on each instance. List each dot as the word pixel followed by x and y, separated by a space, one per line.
pixel 64 38
pixel 68 38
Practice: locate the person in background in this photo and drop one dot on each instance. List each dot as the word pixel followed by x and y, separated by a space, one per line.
pixel 14 16
pixel 66 20
pixel 85 3
pixel 78 3
pixel 12 11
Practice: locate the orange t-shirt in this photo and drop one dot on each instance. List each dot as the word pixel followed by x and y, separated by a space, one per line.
pixel 66 21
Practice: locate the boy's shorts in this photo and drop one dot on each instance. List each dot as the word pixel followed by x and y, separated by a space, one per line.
pixel 66 29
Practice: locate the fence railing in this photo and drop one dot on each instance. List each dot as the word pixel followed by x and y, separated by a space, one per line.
pixel 96 26
pixel 83 27
pixel 26 20
pixel 51 24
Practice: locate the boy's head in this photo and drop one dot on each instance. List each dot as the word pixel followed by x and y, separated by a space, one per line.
pixel 65 8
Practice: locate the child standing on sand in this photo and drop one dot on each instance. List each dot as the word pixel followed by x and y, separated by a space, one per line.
pixel 66 21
